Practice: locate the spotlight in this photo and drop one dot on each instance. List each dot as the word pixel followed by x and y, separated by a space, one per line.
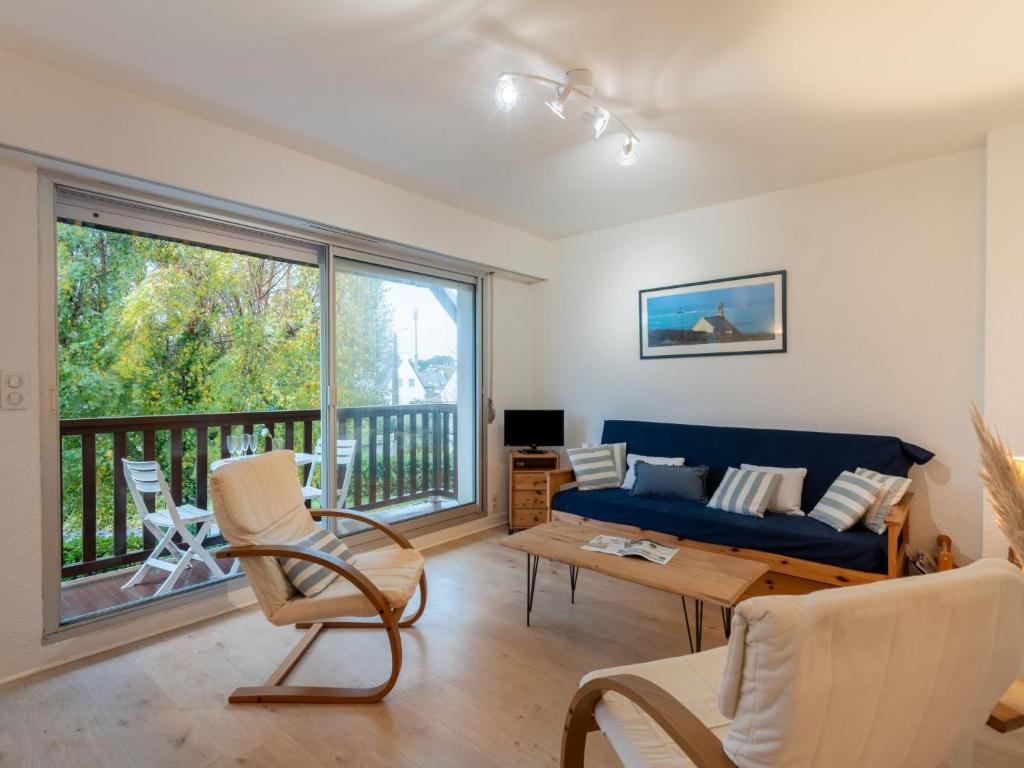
pixel 506 94
pixel 557 105
pixel 627 155
pixel 599 119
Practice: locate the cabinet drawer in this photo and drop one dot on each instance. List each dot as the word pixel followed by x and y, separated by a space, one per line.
pixel 524 518
pixel 529 481
pixel 531 499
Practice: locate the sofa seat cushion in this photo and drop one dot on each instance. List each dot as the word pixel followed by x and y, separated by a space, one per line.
pixel 395 572
pixel 787 535
pixel 639 741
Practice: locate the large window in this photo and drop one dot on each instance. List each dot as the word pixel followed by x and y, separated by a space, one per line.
pixel 184 342
pixel 180 350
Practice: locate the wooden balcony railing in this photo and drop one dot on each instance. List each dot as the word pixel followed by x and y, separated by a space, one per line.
pixel 402 453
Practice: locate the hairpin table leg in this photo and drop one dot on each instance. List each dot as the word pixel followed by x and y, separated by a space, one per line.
pixel 694 635
pixel 532 561
pixel 574 574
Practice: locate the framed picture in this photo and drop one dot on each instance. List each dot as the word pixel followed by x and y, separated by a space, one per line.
pixel 732 316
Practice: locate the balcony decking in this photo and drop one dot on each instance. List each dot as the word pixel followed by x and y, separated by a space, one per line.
pixel 404 464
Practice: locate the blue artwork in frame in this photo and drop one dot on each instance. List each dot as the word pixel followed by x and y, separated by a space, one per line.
pixel 732 316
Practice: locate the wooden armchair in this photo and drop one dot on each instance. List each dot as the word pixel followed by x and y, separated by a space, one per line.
pixel 896 673
pixel 260 509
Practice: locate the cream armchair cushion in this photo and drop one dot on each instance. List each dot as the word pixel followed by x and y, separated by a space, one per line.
pixel 895 673
pixel 395 572
pixel 259 501
pixel 637 740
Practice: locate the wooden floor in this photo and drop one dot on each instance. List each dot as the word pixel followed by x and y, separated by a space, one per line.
pixel 478 687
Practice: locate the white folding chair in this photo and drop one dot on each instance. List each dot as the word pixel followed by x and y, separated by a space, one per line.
pixel 344 453
pixel 165 521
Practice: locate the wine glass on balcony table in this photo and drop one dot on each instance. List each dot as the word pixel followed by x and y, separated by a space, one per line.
pixel 234 445
pixel 248 444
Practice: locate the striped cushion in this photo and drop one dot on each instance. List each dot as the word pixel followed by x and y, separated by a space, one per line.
pixel 594 467
pixel 745 491
pixel 312 578
pixel 896 488
pixel 846 501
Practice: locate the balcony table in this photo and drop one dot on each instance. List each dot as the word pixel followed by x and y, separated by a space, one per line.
pixel 301 460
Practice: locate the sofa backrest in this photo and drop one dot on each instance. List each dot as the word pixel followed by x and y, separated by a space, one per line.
pixel 824 454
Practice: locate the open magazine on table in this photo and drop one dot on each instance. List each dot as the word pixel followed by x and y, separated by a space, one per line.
pixel 622 547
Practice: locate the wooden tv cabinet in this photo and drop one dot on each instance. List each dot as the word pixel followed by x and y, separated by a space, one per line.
pixel 527 488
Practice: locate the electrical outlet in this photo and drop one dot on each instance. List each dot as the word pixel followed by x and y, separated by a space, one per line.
pixel 14 391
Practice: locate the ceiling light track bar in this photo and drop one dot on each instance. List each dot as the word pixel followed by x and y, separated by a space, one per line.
pixel 578 86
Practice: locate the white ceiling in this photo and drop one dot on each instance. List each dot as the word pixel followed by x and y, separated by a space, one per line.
pixel 729 98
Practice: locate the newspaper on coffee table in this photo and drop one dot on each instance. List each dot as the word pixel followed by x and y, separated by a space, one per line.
pixel 623 547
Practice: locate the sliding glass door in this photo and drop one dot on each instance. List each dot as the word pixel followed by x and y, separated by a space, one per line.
pixel 405 366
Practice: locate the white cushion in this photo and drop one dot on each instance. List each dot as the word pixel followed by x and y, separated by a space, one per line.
pixel 639 741
pixel 897 673
pixel 632 458
pixel 790 490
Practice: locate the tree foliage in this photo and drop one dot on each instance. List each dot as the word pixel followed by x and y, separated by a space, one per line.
pixel 151 326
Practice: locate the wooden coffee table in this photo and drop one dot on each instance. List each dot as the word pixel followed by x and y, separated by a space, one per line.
pixel 705 577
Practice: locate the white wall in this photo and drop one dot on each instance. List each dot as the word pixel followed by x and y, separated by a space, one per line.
pixel 885 322
pixel 1004 308
pixel 55 112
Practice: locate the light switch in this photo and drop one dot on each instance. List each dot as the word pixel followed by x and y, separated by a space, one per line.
pixel 14 391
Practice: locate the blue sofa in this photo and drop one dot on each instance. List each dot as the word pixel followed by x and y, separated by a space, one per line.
pixel 790 544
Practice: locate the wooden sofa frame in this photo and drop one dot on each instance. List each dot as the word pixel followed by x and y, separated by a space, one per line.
pixel 273 691
pixel 786 574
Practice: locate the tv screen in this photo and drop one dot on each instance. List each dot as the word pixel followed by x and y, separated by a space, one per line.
pixel 532 428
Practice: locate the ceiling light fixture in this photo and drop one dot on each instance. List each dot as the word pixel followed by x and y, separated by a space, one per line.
pixel 580 86
pixel 599 120
pixel 627 155
pixel 558 105
pixel 506 94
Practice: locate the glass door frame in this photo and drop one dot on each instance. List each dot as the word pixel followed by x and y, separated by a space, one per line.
pixel 339 255
pixel 336 245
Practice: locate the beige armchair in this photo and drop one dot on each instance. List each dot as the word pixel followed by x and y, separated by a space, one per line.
pixel 260 509
pixel 897 674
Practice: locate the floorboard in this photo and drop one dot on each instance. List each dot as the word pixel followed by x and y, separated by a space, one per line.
pixel 478 688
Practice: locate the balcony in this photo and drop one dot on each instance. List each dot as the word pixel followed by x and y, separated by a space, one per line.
pixel 404 466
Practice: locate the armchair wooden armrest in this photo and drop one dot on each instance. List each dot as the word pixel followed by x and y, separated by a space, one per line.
pixel 380 525
pixel 273 690
pixel 683 727
pixel 897 528
pixel 339 566
pixel 556 478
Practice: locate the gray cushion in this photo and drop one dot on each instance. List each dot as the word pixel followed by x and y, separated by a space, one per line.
pixel 668 482
pixel 312 578
pixel 594 467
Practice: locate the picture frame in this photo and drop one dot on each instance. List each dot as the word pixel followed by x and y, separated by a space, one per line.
pixel 743 315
